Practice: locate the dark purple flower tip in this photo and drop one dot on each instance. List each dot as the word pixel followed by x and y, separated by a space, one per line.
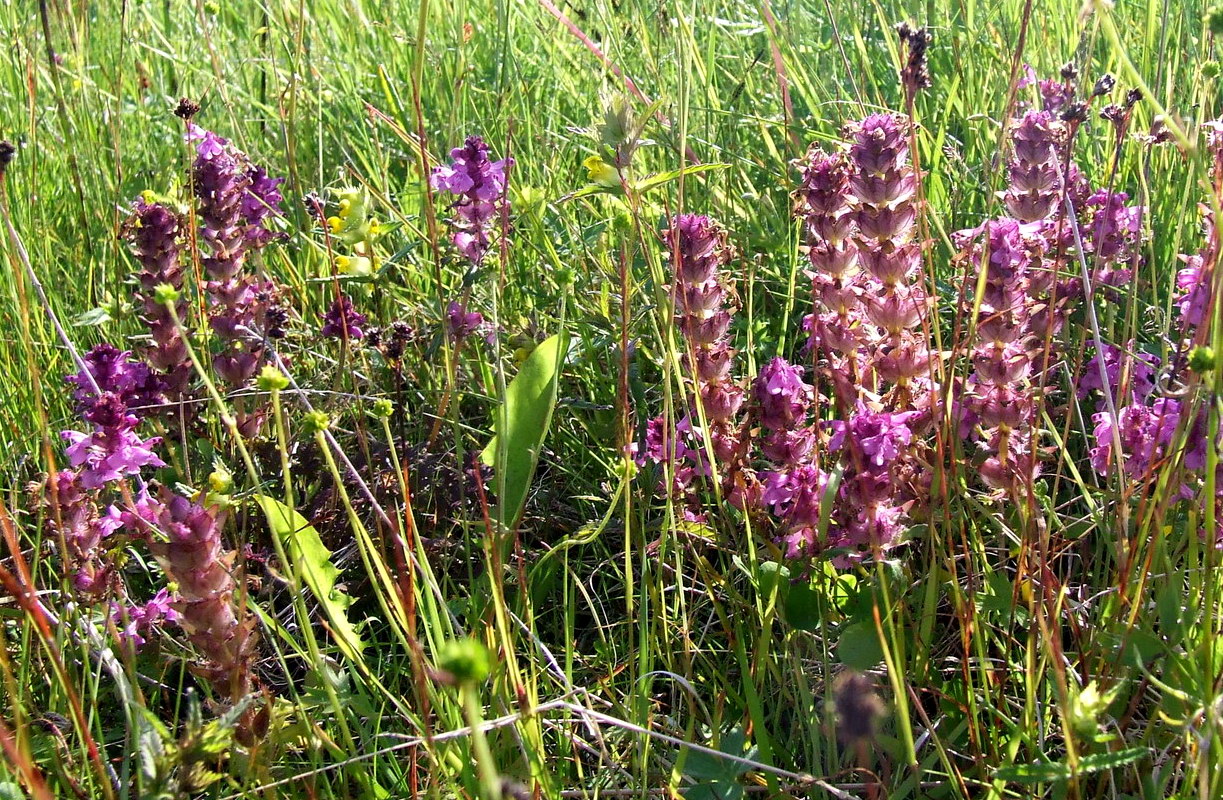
pixel 342 321
pixel 824 183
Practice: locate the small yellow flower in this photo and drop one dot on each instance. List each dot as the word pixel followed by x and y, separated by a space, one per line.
pixel 335 224
pixel 600 172
pixel 354 265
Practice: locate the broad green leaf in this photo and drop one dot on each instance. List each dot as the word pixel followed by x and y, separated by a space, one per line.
pixel 529 401
pixel 803 607
pixel 313 561
pixel 859 646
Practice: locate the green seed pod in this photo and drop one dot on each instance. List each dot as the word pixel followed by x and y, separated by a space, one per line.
pixel 463 662
pixel 316 422
pixel 1202 360
pixel 271 379
pixel 165 294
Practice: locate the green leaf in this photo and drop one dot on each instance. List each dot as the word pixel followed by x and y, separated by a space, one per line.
pixel 1034 773
pixel 304 546
pixel 1098 762
pixel 770 576
pixel 859 646
pixel 92 318
pixel 658 179
pixel 803 607
pixel 1056 771
pixel 529 401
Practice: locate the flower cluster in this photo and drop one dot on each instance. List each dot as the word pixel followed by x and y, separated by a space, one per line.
pixel 153 231
pixel 703 311
pixel 75 519
pixel 136 621
pixel 235 202
pixel 869 336
pixel 342 321
pixel 112 393
pixel 883 183
pixel 479 184
pixel 208 606
pixel 835 326
pixel 353 226
pixel 227 191
pixel 1142 437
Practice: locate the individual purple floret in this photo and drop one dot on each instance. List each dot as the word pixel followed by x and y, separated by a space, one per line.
pixel 342 321
pixel 136 621
pixel 461 323
pixel 480 185
pixel 1054 95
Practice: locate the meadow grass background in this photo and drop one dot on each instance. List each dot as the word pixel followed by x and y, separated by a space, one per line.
pixel 656 630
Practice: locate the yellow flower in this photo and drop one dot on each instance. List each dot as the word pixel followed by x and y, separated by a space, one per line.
pixel 354 265
pixel 600 172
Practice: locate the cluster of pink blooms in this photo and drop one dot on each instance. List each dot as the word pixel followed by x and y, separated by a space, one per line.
pixel 479 186
pixel 699 249
pixel 235 201
pixel 867 341
pixel 840 458
pixel 110 392
pixel 1148 424
pixel 154 230
pixel 102 498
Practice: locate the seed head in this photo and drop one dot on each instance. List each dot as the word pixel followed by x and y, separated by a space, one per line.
pixel 186 108
pixel 858 707
pixel 1104 85
pixel 7 153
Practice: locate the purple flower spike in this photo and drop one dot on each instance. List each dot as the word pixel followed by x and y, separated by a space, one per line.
pixel 480 185
pixel 208 606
